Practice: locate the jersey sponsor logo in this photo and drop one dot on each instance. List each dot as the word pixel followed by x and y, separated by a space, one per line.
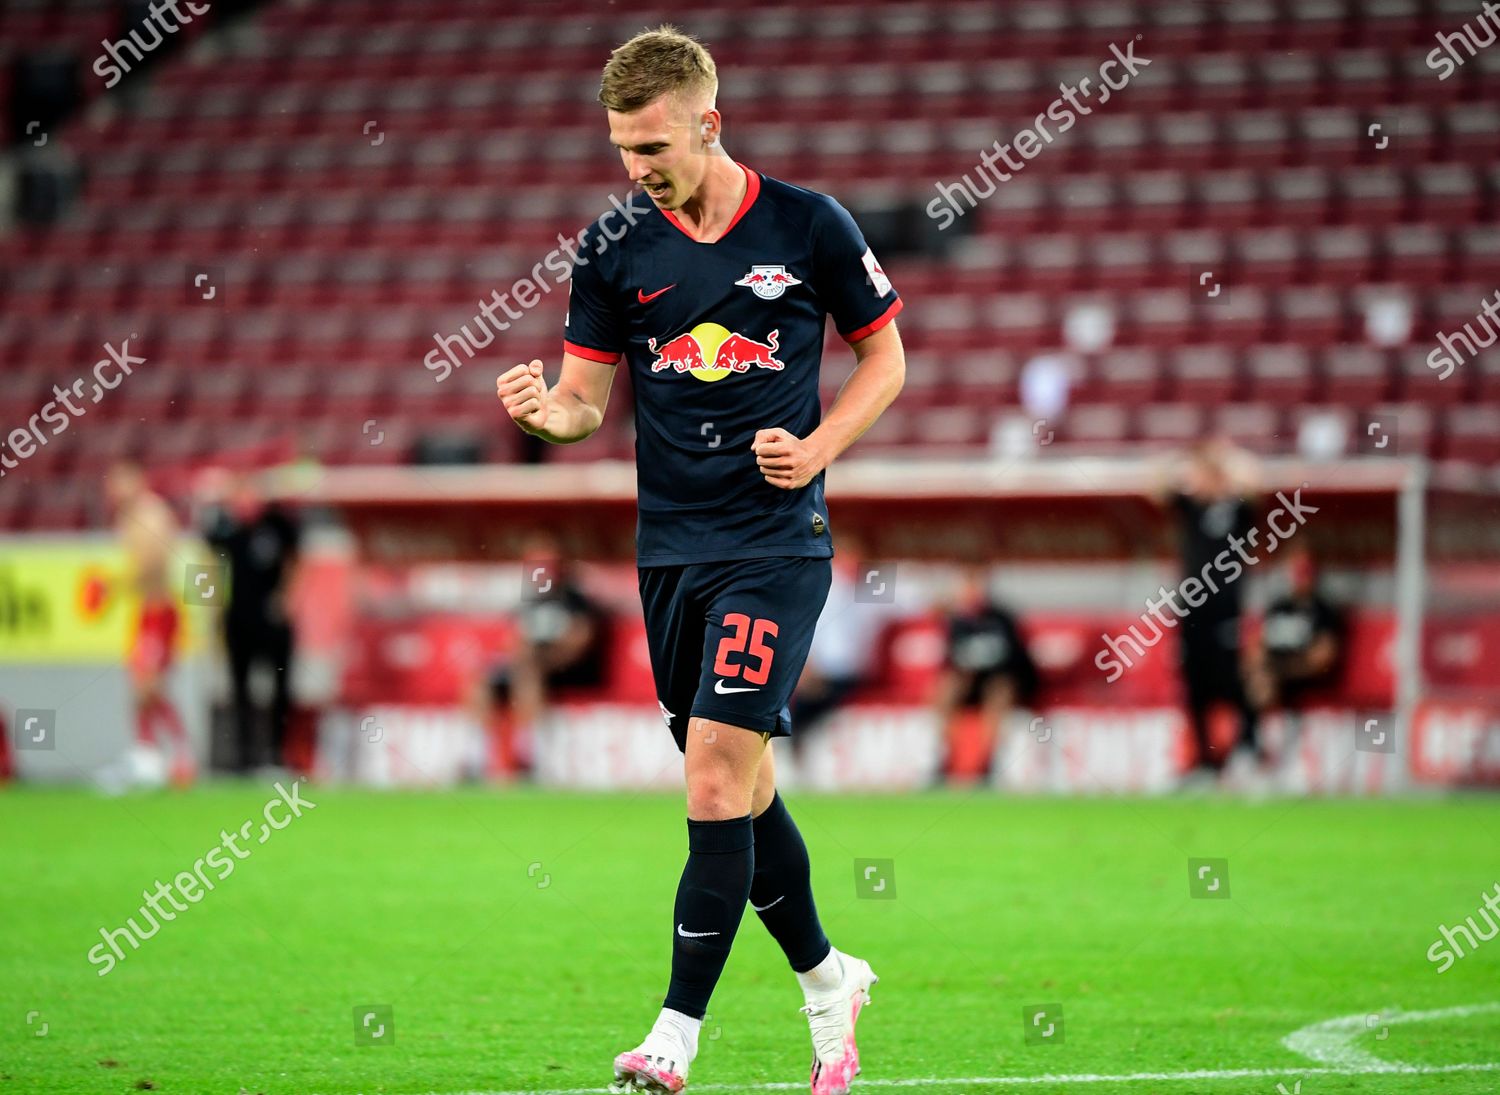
pixel 711 352
pixel 876 275
pixel 768 281
pixel 646 298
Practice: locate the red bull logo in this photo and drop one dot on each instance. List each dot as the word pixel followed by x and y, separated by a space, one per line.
pixel 711 352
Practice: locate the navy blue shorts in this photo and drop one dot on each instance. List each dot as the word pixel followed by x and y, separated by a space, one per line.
pixel 728 640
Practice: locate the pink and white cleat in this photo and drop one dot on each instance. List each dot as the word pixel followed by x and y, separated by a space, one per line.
pixel 831 1016
pixel 656 1065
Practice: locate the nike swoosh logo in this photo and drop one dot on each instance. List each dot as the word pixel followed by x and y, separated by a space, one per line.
pixel 646 298
pixel 721 690
pixel 763 908
pixel 695 935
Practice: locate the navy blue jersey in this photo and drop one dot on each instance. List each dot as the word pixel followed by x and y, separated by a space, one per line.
pixel 724 339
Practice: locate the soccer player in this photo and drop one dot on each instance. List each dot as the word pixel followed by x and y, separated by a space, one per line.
pixel 1213 498
pixel 714 285
pixel 259 545
pixel 1301 640
pixel 148 531
pixel 987 669
pixel 563 645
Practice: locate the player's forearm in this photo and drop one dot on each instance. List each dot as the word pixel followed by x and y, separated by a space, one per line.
pixel 870 389
pixel 569 418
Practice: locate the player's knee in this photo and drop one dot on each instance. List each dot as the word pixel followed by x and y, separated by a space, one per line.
pixel 715 796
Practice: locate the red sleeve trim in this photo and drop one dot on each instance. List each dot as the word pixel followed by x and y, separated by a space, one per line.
pixel 589 354
pixel 870 328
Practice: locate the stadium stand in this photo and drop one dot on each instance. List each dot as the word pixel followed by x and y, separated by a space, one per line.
pixel 353 178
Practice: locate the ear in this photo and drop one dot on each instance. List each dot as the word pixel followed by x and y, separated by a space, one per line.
pixel 710 126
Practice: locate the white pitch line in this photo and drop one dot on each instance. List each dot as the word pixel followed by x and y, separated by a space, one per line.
pixel 1062 1078
pixel 1331 1042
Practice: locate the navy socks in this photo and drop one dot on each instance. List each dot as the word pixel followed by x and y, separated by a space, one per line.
pixel 729 862
pixel 781 891
pixel 710 903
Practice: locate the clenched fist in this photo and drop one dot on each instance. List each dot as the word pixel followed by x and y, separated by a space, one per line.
pixel 786 461
pixel 524 393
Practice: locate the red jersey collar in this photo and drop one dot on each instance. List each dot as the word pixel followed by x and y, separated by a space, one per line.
pixel 752 191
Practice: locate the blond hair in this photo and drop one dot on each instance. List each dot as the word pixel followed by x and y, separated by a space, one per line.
pixel 654 63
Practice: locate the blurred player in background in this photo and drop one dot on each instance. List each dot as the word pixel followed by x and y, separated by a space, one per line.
pixel 7 762
pixel 987 669
pixel 561 645
pixel 1301 646
pixel 148 532
pixel 258 543
pixel 1212 493
pixel 715 286
pixel 842 656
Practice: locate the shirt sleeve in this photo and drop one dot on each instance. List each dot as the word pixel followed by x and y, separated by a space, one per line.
pixel 594 328
pixel 848 278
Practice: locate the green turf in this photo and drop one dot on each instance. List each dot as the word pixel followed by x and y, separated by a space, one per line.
pixel 429 903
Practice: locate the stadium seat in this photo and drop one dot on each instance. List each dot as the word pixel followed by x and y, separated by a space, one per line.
pixel 1243 160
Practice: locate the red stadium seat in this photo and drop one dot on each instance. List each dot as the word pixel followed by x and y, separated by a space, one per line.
pixel 1254 426
pixel 1204 374
pixel 1356 376
pixel 1473 434
pixel 1280 374
pixel 1102 428
pixel 1171 425
pixel 1127 376
pixel 1341 256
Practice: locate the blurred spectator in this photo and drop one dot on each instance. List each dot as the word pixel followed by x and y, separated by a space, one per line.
pixel 1212 495
pixel 987 670
pixel 562 644
pixel 1046 382
pixel 148 533
pixel 843 652
pixel 1044 387
pixel 1302 640
pixel 7 764
pixel 258 542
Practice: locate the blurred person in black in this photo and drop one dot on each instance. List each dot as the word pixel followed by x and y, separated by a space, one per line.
pixel 1212 494
pixel 1301 645
pixel 561 645
pixel 258 542
pixel 987 669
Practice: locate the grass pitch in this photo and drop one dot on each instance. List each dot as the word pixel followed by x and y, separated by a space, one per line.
pixel 515 941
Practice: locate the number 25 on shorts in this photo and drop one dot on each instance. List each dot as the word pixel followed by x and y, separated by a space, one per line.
pixel 743 632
